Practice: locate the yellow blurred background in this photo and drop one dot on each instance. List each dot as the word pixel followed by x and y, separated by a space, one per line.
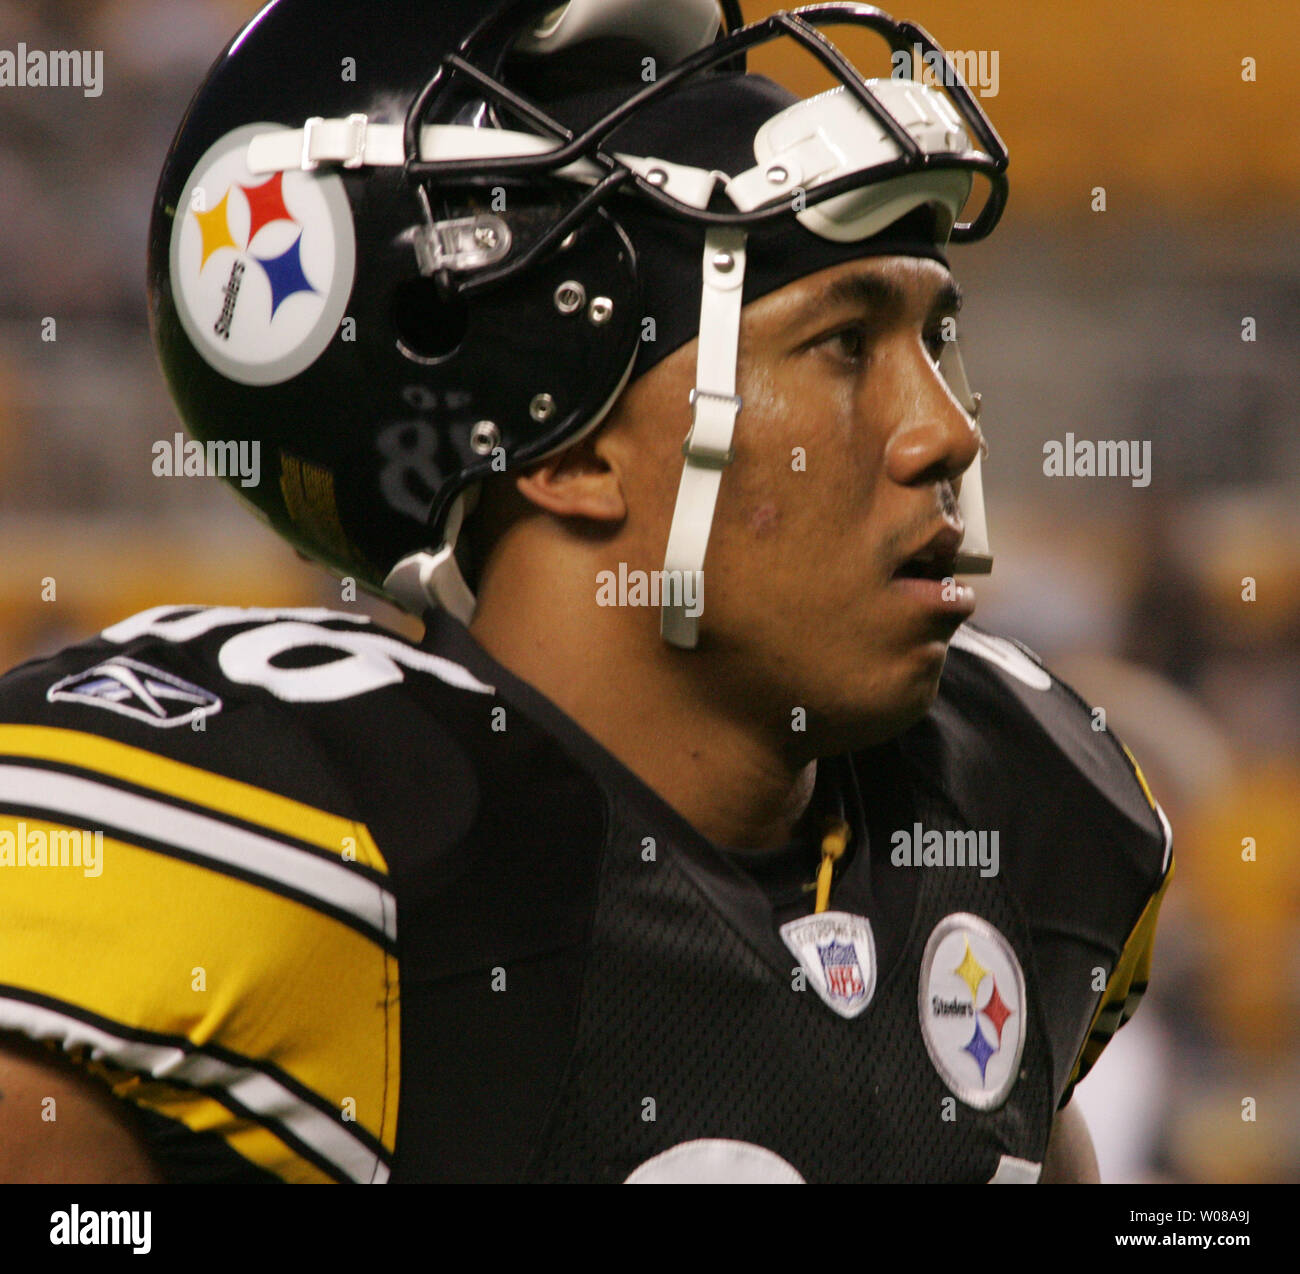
pixel 1148 95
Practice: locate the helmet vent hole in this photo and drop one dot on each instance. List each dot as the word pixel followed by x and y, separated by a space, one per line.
pixel 430 327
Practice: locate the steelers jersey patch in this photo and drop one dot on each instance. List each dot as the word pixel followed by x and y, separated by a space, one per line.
pixel 972 1006
pixel 838 955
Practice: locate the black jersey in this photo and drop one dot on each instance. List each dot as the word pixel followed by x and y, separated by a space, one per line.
pixel 324 905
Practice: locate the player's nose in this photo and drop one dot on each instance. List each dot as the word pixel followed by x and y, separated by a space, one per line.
pixel 935 440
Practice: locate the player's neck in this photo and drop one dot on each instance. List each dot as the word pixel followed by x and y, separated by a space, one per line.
pixel 651 709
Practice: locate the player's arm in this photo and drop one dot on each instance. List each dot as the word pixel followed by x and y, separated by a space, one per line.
pixel 1071 1159
pixel 58 1125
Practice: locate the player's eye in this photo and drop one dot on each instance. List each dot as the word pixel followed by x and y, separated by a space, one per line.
pixel 934 343
pixel 849 345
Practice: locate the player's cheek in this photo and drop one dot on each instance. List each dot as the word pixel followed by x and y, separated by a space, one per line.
pixel 764 519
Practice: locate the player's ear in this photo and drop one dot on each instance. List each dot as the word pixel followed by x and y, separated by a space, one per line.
pixel 578 482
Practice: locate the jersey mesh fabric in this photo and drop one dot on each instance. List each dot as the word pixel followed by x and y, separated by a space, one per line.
pixel 678 1009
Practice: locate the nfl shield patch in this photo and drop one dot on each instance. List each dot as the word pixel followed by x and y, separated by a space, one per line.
pixel 838 956
pixel 842 970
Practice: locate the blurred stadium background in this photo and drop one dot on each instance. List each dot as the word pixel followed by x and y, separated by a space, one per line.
pixel 1122 324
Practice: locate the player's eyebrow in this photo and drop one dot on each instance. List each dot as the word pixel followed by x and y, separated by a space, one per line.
pixel 948 299
pixel 861 291
pixel 868 291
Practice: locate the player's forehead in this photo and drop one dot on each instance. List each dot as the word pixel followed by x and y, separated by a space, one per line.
pixel 903 287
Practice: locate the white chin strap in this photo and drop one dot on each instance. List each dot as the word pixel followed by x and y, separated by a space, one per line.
pixel 707 447
pixel 425 578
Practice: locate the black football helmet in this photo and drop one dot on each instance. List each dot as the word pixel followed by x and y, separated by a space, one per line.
pixel 396 244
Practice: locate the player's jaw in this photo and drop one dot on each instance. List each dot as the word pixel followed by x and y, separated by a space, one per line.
pixel 878 645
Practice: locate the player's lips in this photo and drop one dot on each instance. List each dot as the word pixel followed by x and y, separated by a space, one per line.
pixel 928 574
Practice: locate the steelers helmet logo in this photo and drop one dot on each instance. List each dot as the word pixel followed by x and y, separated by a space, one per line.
pixel 972 1005
pixel 261 266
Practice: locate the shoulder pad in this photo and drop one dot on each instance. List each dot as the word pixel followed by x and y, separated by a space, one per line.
pixel 1012 749
pixel 190 905
pixel 1010 739
pixel 1086 851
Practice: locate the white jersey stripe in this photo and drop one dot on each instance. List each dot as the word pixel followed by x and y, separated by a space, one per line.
pixel 265 1097
pixel 82 802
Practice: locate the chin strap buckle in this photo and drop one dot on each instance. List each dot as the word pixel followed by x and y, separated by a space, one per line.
pixel 334 141
pixel 714 419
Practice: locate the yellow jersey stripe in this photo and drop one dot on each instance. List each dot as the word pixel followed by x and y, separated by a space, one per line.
pixel 1141 778
pixel 333 1145
pixel 82 802
pixel 201 1114
pixel 214 960
pixel 277 814
pixel 1124 988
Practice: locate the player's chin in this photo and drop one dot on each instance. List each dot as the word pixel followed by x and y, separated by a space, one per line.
pixel 919 687
pixel 919 667
pixel 899 692
pixel 916 637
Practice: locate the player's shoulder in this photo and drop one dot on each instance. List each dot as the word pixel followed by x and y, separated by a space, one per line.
pixel 226 688
pixel 140 667
pixel 113 669
pixel 1016 746
pixel 189 855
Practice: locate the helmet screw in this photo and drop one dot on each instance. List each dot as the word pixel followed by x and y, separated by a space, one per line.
pixel 600 311
pixel 570 297
pixel 656 176
pixel 777 175
pixel 484 438
pixel 724 262
pixel 542 408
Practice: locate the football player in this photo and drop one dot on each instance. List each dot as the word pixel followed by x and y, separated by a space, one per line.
pixel 701 838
